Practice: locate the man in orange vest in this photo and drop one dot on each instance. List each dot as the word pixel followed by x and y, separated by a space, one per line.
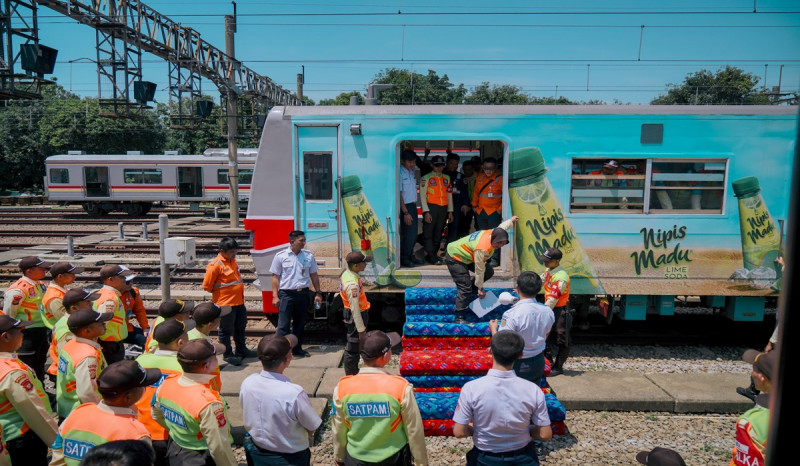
pixel 134 308
pixel 74 300
pixel 487 200
pixel 472 253
pixel 437 207
pixel 555 283
pixel 115 280
pixel 376 418
pixel 24 299
pixel 752 427
pixel 27 421
pixel 224 281
pixel 121 385
pixel 63 274
pixel 356 308
pixel 610 168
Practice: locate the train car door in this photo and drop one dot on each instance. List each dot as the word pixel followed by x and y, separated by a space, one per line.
pixel 190 182
pixel 318 206
pixel 96 179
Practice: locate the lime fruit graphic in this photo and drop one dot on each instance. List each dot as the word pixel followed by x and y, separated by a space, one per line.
pixel 751 202
pixel 406 278
pixel 534 193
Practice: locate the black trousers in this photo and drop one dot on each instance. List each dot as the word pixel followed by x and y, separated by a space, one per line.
pixel 33 352
pixel 464 224
pixel 136 337
pixel 292 313
pixel 523 457
pixel 28 449
pixel 432 232
pixel 178 456
pixel 559 341
pixel 487 222
pixel 234 325
pixel 408 233
pixel 352 347
pixel 113 351
pixel 260 457
pixel 160 447
pixel 531 369
pixel 464 282
pixel 401 458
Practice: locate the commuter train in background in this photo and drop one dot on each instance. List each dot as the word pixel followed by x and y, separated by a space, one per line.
pixel 132 182
pixel 694 204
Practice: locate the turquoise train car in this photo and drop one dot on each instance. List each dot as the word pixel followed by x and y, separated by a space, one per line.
pixel 694 207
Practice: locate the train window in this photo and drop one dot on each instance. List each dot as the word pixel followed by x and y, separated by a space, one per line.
pixel 59 175
pixel 245 176
pixel 317 176
pixel 650 186
pixel 142 175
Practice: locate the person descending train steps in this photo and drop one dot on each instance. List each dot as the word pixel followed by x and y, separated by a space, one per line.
pixel 472 253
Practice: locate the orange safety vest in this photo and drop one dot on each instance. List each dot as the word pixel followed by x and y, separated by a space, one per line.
pixel 15 425
pixel 180 400
pixel 49 295
pixel 116 328
pixel 88 426
pixel 363 304
pixel 436 188
pixel 464 249
pixel 31 304
pixel 228 289
pixel 134 306
pixel 551 290
pixel 168 369
pixel 490 199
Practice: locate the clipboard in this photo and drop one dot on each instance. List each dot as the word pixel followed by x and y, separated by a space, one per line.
pixel 481 307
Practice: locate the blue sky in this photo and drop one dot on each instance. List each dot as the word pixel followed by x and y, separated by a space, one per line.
pixel 543 47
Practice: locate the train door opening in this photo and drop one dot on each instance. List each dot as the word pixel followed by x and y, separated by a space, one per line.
pixel 464 160
pixel 96 179
pixel 319 213
pixel 190 182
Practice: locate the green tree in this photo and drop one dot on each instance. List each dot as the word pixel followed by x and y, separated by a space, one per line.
pixel 343 99
pixel 728 86
pixel 505 94
pixel 411 88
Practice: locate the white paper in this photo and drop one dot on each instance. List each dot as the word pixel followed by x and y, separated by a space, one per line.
pixel 481 307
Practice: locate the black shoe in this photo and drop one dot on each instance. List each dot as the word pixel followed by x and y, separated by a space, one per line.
pixel 417 261
pixel 247 353
pixel 554 371
pixel 460 319
pixel 232 360
pixel 747 393
pixel 300 353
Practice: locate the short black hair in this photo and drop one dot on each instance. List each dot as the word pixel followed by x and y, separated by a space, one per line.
pixel 120 453
pixel 270 365
pixel 529 283
pixel 227 243
pixel 507 347
pixel 296 234
pixel 452 156
pixel 490 160
pixel 466 163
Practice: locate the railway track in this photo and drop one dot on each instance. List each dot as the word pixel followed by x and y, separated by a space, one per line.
pixel 79 233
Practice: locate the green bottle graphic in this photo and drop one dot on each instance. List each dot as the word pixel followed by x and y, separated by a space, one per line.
pixel 761 240
pixel 360 217
pixel 543 224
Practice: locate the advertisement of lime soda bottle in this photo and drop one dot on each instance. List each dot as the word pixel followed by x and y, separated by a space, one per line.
pixel 761 240
pixel 543 224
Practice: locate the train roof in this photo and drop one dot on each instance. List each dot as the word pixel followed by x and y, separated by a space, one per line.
pixel 540 110
pixel 172 159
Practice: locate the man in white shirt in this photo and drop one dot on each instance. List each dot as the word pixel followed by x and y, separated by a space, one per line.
pixel 408 209
pixel 531 320
pixel 277 413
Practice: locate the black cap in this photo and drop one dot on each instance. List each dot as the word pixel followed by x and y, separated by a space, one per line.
pixel 173 307
pixel 765 363
pixel 206 312
pixel 408 154
pixel 65 267
pixel 498 235
pixel 76 295
pixel 170 330
pixel 112 270
pixel 275 346
pixel 33 261
pixel 552 254
pixel 8 322
pixel 124 375
pixel 438 160
pixel 660 457
pixel 377 343
pixel 356 257
pixel 85 317
pixel 199 350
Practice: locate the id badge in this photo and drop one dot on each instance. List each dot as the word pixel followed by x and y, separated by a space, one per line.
pixel 490 195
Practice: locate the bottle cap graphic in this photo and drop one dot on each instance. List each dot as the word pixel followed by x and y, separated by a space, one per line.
pixel 744 186
pixel 351 184
pixel 525 164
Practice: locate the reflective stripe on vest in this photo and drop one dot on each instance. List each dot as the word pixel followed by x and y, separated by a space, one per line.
pixel 49 319
pixel 372 405
pixel 169 368
pixel 181 406
pixel 31 305
pixel 60 334
pixel 551 289
pixel 150 344
pixel 223 285
pixel 89 426
pixel 436 188
pixel 12 423
pixel 72 354
pixel 348 276
pixel 116 328
pixel 749 451
pixel 464 249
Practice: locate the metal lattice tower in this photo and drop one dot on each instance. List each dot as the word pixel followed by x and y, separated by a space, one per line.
pixel 19 26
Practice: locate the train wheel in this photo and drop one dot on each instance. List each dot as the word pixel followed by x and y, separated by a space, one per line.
pixel 146 206
pixel 134 210
pixel 94 209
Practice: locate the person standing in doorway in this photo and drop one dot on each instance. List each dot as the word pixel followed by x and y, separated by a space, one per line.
pixel 293 270
pixel 487 201
pixel 409 224
pixel 437 207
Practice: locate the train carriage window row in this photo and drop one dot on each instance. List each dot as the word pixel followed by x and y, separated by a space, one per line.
pixel 142 176
pixel 59 175
pixel 648 186
pixel 245 176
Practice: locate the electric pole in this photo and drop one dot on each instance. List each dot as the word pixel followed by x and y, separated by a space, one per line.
pixel 233 118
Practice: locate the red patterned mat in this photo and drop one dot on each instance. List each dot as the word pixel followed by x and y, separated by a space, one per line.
pixel 445 343
pixel 456 362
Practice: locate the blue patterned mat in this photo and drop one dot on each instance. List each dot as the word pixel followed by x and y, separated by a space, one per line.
pixel 445 329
